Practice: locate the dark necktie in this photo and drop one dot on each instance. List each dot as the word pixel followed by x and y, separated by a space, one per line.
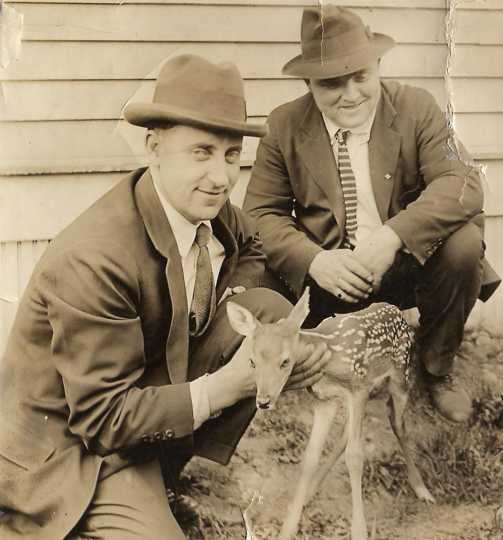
pixel 348 183
pixel 203 300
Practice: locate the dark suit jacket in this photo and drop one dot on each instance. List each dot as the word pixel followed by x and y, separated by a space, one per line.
pixel 96 364
pixel 424 186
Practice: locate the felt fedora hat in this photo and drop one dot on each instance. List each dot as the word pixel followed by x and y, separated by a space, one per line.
pixel 335 42
pixel 193 91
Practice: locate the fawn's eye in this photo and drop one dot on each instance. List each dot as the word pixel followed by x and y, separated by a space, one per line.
pixel 285 363
pixel 252 363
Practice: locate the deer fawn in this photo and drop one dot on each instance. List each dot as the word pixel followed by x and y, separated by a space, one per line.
pixel 369 347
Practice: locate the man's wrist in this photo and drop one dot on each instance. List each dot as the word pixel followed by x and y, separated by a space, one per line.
pixel 394 239
pixel 314 263
pixel 224 389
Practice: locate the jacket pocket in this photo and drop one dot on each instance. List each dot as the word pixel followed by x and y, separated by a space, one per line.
pixel 22 446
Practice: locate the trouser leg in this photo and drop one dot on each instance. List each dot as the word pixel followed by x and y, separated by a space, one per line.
pixel 129 504
pixel 447 288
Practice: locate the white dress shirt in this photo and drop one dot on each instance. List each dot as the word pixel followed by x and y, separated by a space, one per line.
pixel 185 233
pixel 367 215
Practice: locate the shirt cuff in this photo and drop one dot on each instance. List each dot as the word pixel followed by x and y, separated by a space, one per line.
pixel 200 401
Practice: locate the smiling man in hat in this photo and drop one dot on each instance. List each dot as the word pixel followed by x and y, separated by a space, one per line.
pixel 121 363
pixel 361 191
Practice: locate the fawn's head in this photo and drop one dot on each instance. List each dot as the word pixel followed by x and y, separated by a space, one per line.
pixel 273 348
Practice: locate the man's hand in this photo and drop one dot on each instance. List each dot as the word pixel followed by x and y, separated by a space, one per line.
pixel 342 274
pixel 377 252
pixel 232 382
pixel 309 370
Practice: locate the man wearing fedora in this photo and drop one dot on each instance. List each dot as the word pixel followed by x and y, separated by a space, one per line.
pixel 121 364
pixel 361 191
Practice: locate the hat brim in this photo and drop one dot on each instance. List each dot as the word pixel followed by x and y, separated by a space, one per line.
pixel 341 65
pixel 150 115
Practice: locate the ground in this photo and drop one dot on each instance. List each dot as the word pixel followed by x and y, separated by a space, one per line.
pixel 461 464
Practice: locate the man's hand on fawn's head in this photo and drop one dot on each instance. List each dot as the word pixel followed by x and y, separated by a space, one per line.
pixel 309 367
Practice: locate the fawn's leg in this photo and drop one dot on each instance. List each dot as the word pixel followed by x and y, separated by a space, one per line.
pixel 396 405
pixel 326 467
pixel 354 461
pixel 324 413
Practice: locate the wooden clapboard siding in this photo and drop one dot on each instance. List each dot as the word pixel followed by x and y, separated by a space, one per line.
pixel 411 4
pixel 103 100
pixel 55 60
pixel 42 215
pixel 234 23
pixel 82 59
pixel 492 310
pixel 152 22
pixel 17 260
pixel 108 145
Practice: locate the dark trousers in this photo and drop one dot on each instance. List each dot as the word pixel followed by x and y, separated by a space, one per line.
pixel 444 289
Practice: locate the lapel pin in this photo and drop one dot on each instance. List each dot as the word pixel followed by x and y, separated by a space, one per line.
pixel 387 176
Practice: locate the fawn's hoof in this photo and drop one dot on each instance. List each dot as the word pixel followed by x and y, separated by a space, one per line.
pixel 423 494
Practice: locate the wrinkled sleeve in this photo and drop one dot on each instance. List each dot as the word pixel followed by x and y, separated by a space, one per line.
pixel 91 296
pixel 270 200
pixel 453 193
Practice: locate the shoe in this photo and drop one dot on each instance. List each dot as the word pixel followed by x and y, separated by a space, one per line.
pixel 449 398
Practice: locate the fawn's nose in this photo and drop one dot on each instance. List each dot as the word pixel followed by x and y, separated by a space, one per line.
pixel 264 403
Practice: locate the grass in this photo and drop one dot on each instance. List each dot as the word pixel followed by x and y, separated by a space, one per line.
pixel 459 464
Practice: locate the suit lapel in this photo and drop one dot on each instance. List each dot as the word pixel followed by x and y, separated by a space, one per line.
pixel 316 152
pixel 161 235
pixel 384 149
pixel 228 240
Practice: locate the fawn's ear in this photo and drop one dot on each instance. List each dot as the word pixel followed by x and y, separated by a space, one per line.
pixel 241 320
pixel 300 311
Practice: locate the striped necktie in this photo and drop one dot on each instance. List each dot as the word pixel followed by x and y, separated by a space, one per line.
pixel 203 300
pixel 348 183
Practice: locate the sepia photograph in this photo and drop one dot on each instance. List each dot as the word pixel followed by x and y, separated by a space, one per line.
pixel 250 269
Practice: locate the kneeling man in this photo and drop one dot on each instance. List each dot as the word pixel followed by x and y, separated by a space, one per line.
pixel 121 363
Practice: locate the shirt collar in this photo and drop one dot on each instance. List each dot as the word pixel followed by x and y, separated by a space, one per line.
pixel 183 230
pixel 362 131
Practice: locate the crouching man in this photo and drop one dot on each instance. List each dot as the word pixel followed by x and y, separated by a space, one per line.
pixel 121 363
pixel 360 191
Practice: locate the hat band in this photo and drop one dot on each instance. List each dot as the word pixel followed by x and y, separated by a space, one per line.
pixel 343 44
pixel 205 102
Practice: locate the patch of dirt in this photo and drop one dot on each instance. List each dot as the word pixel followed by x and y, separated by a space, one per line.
pixel 461 464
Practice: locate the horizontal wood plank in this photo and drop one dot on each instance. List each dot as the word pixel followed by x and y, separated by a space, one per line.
pixel 48 203
pixel 81 146
pixel 480 132
pixel 9 295
pixel 186 22
pixel 242 23
pixel 34 207
pixel 93 100
pixel 479 27
pixel 17 260
pixel 125 60
pixel 478 61
pixel 412 4
pixel 492 310
pixel 86 100
pixel 39 207
pixel 492 182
